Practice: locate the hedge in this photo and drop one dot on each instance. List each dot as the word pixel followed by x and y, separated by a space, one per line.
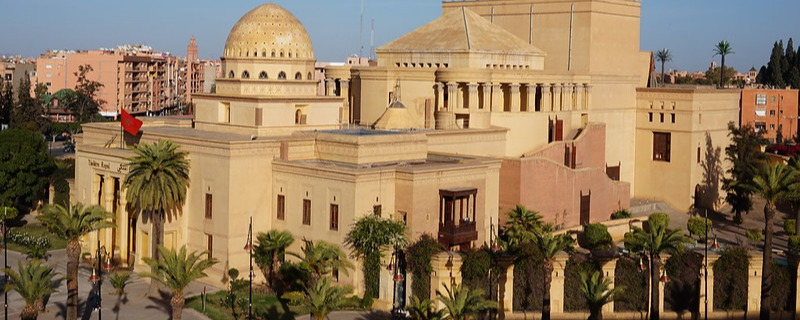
pixel 682 291
pixel 781 295
pixel 528 281
pixel 635 282
pixel 573 297
pixel 730 279
pixel 596 237
pixel 475 268
pixel 418 259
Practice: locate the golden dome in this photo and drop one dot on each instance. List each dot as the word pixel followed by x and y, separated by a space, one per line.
pixel 269 31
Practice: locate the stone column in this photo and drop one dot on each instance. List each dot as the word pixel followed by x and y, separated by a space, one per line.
pixel 446 270
pixel 547 97
pixel 487 96
pixel 556 97
pixel 497 98
pixel 330 85
pixel 587 96
pixel 608 269
pixel 96 181
pixel 570 96
pixel 712 257
pixel 108 204
pixel 514 96
pixel 579 96
pixel 122 228
pixel 452 96
pixel 531 90
pixel 473 96
pixel 557 285
pixel 344 85
pixel 508 289
pixel 439 90
pixel 754 284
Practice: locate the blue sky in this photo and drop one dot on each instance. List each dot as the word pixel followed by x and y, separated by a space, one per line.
pixel 689 28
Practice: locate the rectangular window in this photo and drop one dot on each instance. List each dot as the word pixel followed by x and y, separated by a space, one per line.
pixel 376 210
pixel 208 205
pixel 334 217
pixel 307 212
pixel 281 207
pixel 661 116
pixel 673 117
pixel 772 127
pixel 761 99
pixel 650 116
pixel 209 245
pixel 698 154
pixel 772 112
pixel 661 146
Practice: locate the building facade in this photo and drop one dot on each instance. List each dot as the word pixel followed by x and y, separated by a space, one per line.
pixel 770 111
pixel 494 104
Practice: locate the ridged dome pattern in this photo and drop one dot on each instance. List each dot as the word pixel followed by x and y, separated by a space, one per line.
pixel 270 32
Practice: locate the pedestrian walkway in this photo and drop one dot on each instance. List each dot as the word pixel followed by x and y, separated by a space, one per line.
pixel 135 305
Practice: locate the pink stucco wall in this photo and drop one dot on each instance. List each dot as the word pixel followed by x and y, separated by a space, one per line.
pixel 542 182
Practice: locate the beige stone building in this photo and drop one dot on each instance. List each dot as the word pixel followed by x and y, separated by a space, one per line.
pixel 495 103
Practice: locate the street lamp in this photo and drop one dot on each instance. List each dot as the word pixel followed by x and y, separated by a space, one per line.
pixel 249 247
pixel 399 278
pixel 97 274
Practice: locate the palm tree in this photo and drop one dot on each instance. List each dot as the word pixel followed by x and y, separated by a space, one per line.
pixel 157 180
pixel 522 225
pixel 368 236
pixel 270 253
pixel 33 281
pixel 176 270
pixel 321 258
pixel 550 245
pixel 597 294
pixel 72 224
pixel 773 182
pixel 425 310
pixel 663 56
pixel 722 49
pixel 652 244
pixel 323 298
pixel 461 303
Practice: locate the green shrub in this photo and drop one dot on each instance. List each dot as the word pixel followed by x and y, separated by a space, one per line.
pixel 621 214
pixel 573 297
pixel 781 295
pixel 681 292
pixel 596 237
pixel 658 219
pixel 755 235
pixel 794 242
pixel 699 226
pixel 475 267
pixel 418 259
pixel 789 226
pixel 635 281
pixel 528 284
pixel 730 279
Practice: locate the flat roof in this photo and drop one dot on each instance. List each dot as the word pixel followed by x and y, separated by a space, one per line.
pixel 361 132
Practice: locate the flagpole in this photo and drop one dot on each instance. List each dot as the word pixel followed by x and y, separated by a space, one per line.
pixel 121 130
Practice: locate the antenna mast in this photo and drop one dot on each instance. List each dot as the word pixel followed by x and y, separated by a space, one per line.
pixel 361 32
pixel 372 40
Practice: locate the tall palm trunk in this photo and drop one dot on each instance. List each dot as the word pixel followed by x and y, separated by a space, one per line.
pixel 722 73
pixel 29 312
pixel 157 219
pixel 766 265
pixel 176 302
pixel 548 280
pixel 663 76
pixel 73 254
pixel 654 283
pixel 596 313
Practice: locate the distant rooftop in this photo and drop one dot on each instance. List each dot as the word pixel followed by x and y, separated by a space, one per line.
pixel 360 132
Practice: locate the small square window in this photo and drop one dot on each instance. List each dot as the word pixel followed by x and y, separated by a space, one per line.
pixel 376 210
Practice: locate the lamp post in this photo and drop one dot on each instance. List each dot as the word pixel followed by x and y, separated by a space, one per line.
pixel 249 247
pixel 5 260
pixel 495 249
pixel 97 274
pixel 399 278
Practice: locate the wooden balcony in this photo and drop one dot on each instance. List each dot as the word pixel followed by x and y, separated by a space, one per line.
pixel 457 235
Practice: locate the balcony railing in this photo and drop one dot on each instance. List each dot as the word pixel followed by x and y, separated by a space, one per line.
pixel 451 234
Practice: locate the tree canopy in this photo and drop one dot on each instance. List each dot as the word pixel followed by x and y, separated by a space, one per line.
pixel 783 68
pixel 86 106
pixel 25 167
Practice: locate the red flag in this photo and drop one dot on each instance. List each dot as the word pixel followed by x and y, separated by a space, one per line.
pixel 130 124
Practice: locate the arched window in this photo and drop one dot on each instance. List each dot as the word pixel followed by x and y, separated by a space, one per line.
pixel 282 76
pixel 281 53
pixel 290 54
pixel 264 53
pixel 298 76
pixel 245 75
pixel 310 77
pixel 273 53
pixel 298 117
pixel 231 74
pixel 263 75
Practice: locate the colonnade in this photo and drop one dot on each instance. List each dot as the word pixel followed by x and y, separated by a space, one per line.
pixel 109 194
pixel 512 97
